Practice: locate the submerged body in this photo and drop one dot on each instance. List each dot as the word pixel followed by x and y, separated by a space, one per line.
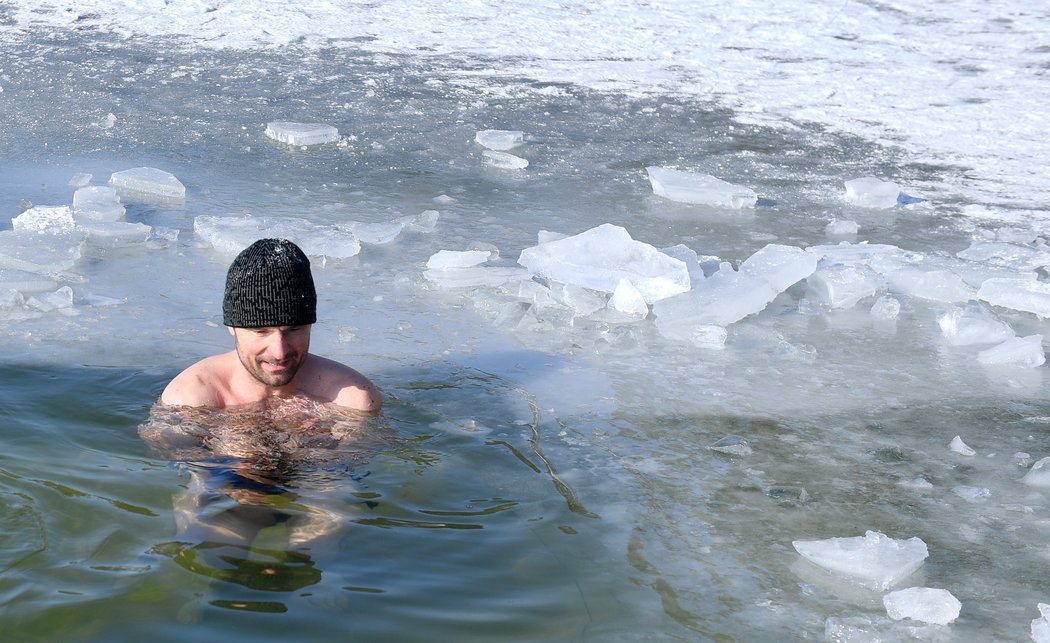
pixel 261 464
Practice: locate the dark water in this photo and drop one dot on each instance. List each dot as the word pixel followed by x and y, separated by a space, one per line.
pixel 451 527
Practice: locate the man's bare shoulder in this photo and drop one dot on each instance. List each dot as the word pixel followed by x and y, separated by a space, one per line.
pixel 201 384
pixel 338 383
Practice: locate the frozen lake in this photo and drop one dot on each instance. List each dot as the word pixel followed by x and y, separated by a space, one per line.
pixel 590 432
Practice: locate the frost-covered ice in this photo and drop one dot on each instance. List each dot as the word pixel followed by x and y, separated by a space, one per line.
pixel 149 182
pixel 926 604
pixel 302 133
pixel 874 559
pixel 699 188
pixel 872 192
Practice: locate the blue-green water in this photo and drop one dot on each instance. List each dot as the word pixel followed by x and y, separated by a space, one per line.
pixel 448 528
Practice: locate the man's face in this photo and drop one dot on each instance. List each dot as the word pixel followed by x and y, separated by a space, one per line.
pixel 272 355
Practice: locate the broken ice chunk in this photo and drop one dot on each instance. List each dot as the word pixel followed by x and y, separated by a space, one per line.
pixel 425 221
pixel 475 276
pixel 61 300
pixel 1019 294
pixel 691 259
pixel 505 161
pixel 875 559
pixel 148 182
pixel 500 139
pixel 973 324
pixel 446 259
pixel 115 233
pixel 97 203
pixel 841 287
pixel 1026 352
pixel 723 298
pixel 732 445
pixel 42 254
pixel 685 329
pixel 972 494
pixel 926 604
pixel 626 299
pixel 870 192
pixel 582 301
pixel 230 235
pixel 600 257
pixel 692 187
pixel 1039 474
pixel 882 258
pixel 302 133
pixel 375 233
pixel 24 282
pixel 781 266
pixel 958 446
pixel 1010 255
pixel 80 180
pixel 841 228
pixel 937 285
pixel 43 218
pixel 886 308
pixel 728 296
pixel 1041 625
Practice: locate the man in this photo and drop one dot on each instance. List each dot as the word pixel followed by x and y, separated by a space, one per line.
pixel 269 307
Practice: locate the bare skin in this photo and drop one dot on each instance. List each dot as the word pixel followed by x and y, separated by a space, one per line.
pixel 266 363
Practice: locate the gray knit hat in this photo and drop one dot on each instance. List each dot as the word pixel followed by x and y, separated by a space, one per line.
pixel 269 284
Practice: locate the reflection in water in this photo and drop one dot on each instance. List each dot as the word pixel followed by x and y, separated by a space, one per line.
pixel 259 475
pixel 253 567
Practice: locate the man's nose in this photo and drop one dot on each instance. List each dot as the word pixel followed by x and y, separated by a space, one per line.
pixel 278 347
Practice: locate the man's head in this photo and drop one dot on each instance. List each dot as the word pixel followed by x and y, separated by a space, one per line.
pixel 269 305
pixel 269 284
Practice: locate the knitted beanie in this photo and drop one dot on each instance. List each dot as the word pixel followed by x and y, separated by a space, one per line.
pixel 269 284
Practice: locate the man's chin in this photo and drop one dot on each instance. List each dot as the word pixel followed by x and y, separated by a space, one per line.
pixel 275 379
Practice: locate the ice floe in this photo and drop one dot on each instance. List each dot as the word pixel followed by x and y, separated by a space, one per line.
pixel 872 192
pixel 874 559
pixel 925 604
pixel 698 188
pixel 301 134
